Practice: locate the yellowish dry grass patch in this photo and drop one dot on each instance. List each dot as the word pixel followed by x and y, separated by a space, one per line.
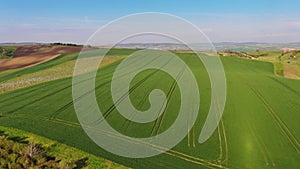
pixel 57 72
pixel 292 71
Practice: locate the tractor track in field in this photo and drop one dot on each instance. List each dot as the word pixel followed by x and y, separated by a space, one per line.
pixel 172 88
pixel 125 95
pixel 263 148
pixel 159 120
pixel 37 87
pixel 279 122
pixel 127 122
pixel 225 142
pixel 266 156
pixel 51 94
pixel 18 96
pixel 57 112
pixel 22 93
pixel 38 99
pixel 220 145
pixel 222 130
pixel 176 154
pixel 285 86
pixel 43 97
pixel 108 74
pixel 284 128
pixel 286 131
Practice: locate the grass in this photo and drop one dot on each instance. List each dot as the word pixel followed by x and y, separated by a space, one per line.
pixel 61 70
pixel 279 69
pixel 58 60
pixel 259 128
pixel 65 154
pixel 286 64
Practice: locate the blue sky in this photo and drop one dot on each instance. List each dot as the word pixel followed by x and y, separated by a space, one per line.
pixel 74 21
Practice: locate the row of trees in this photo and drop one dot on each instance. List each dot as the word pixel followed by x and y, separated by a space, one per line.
pixel 65 44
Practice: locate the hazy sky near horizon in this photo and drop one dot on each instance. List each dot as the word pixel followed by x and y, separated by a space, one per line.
pixel 222 21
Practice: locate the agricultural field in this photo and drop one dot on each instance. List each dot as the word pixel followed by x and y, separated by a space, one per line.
pixel 259 127
pixel 287 63
pixel 58 70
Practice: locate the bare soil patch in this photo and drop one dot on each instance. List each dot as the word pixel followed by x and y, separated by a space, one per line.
pixel 31 55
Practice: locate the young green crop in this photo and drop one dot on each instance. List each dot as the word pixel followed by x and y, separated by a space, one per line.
pixel 259 128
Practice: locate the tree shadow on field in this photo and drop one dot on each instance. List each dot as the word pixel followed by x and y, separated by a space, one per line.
pixel 2 133
pixel 51 147
pixel 14 138
pixel 81 163
pixel 19 139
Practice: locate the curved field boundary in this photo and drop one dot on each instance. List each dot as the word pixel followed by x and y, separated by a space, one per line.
pixel 32 55
pixel 173 153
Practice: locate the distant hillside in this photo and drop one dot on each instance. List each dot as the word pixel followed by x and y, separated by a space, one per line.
pixel 220 46
pixel 19 44
pixel 34 54
pixel 36 43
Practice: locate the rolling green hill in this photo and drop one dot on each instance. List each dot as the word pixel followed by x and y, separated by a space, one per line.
pixel 259 128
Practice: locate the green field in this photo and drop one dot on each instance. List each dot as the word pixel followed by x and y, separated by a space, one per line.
pixel 286 63
pixel 259 128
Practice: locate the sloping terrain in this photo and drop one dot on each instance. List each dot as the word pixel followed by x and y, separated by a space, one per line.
pixel 19 148
pixel 32 55
pixel 259 128
pixel 287 63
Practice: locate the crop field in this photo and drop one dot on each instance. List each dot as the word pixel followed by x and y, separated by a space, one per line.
pixel 61 70
pixel 286 63
pixel 259 127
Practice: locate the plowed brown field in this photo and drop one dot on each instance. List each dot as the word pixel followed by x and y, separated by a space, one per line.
pixel 31 55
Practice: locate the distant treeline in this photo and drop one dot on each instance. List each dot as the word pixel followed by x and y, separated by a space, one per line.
pixel 65 44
